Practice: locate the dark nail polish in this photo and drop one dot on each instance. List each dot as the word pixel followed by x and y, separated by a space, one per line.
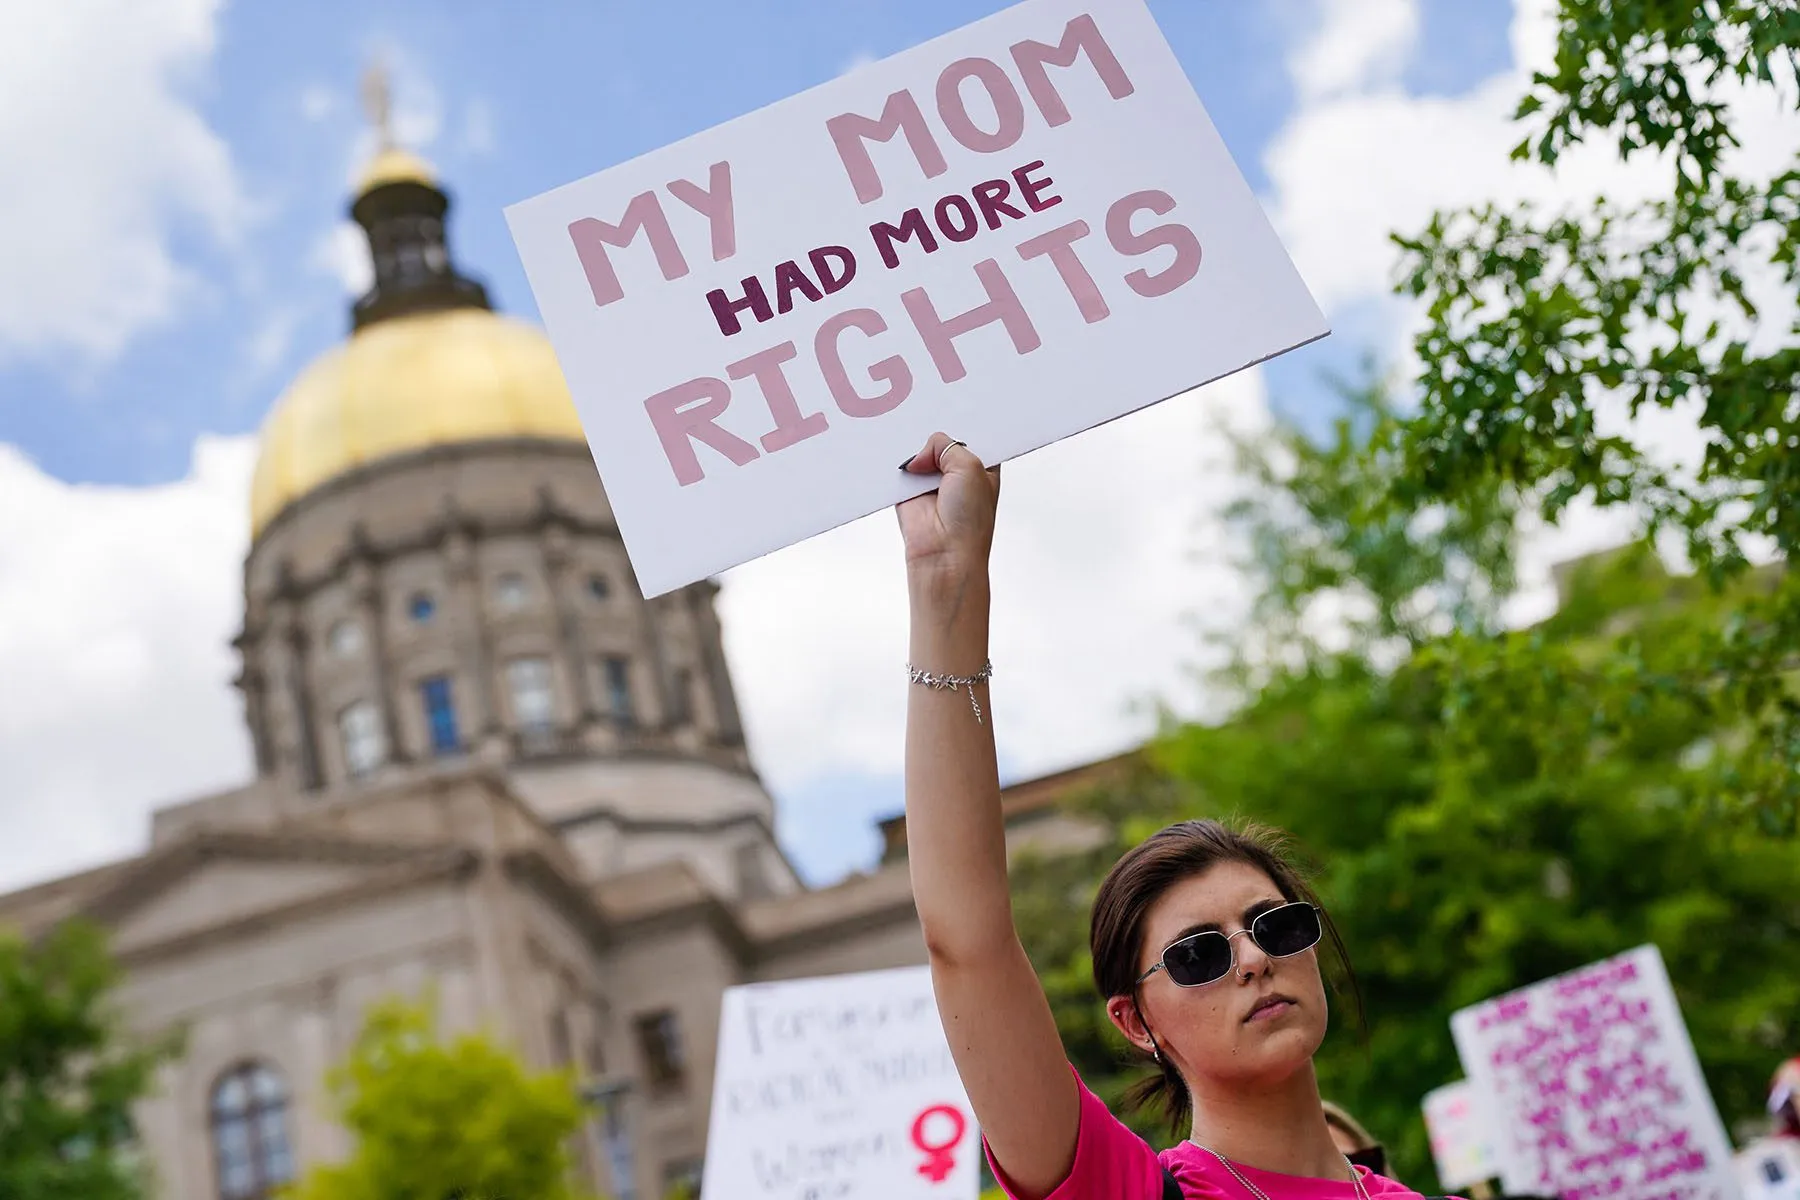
pixel 908 462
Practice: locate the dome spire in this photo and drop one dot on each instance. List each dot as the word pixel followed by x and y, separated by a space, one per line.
pixel 401 208
pixel 377 96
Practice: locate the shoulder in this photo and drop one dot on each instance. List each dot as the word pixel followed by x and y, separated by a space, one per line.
pixel 1389 1189
pixel 1200 1175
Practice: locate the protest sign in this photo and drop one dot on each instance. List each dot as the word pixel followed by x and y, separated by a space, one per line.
pixel 1592 1089
pixel 840 1088
pixel 1769 1169
pixel 1461 1143
pixel 1015 232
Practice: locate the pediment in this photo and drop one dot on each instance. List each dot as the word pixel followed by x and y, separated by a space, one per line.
pixel 212 880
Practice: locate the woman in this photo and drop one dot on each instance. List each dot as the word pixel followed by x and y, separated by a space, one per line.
pixel 1203 938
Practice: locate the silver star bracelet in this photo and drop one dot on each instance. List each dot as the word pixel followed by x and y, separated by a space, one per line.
pixel 951 683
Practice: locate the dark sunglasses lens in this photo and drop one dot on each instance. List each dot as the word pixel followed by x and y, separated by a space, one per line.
pixel 1199 959
pixel 1287 930
pixel 1374 1158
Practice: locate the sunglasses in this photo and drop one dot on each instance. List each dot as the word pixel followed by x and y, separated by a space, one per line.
pixel 1202 958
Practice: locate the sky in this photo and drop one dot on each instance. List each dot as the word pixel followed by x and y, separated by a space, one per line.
pixel 174 249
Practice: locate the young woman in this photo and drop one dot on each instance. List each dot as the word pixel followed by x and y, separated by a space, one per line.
pixel 1203 939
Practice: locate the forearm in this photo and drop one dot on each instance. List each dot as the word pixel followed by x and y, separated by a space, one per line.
pixel 956 843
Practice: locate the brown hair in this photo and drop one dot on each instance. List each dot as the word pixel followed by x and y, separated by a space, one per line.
pixel 1335 1115
pixel 1116 931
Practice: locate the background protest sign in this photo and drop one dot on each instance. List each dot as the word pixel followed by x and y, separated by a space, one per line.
pixel 1592 1088
pixel 1015 232
pixel 1462 1145
pixel 839 1088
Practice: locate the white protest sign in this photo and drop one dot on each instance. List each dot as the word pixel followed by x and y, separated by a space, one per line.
pixel 840 1088
pixel 1769 1169
pixel 1592 1088
pixel 1461 1143
pixel 1020 230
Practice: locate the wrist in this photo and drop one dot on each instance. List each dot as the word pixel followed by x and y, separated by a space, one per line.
pixel 949 628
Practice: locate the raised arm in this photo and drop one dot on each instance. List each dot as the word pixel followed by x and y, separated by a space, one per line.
pixel 994 1010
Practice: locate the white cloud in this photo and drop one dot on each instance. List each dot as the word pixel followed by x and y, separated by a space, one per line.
pixel 317 101
pixel 478 128
pixel 117 606
pixel 1356 163
pixel 343 253
pixel 1354 44
pixel 856 62
pixel 104 157
pixel 1097 568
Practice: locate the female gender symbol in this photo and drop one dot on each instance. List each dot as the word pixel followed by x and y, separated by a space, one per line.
pixel 939 1162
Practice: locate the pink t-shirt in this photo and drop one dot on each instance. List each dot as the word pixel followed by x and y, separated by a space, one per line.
pixel 1113 1163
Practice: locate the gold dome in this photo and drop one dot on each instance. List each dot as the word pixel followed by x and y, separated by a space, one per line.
pixel 404 384
pixel 394 165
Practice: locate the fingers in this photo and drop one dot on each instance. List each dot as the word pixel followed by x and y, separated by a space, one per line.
pixel 942 454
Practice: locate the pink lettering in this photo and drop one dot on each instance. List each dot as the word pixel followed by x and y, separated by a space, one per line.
pixel 940 333
pixel 778 394
pixel 687 413
pixel 1178 238
pixel 1058 245
pixel 1009 110
pixel 592 236
pixel 851 133
pixel 827 347
pixel 714 203
pixel 1081 34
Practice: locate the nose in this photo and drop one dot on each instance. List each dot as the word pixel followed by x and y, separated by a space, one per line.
pixel 1248 959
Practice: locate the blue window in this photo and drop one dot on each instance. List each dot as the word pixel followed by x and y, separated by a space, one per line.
pixel 249 1133
pixel 617 671
pixel 440 714
pixel 421 607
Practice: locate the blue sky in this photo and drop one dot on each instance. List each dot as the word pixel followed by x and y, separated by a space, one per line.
pixel 104 415
pixel 531 96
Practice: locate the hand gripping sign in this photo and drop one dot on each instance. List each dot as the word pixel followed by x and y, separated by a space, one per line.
pixel 839 1087
pixel 1015 232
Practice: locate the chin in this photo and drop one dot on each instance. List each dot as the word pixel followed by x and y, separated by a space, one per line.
pixel 1278 1052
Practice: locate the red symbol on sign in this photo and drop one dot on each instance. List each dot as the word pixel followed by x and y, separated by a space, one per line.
pixel 939 1162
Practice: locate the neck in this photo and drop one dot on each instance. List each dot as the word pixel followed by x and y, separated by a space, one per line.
pixel 1279 1127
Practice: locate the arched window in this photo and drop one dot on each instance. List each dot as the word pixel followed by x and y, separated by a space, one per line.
pixel 249 1133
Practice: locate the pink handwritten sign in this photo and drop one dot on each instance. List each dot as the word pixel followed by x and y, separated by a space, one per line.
pixel 940 1155
pixel 1014 232
pixel 838 1088
pixel 1592 1089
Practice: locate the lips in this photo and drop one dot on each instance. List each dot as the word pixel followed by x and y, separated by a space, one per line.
pixel 1270 1006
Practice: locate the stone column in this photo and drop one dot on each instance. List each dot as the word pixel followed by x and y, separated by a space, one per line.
pixel 312 775
pixel 557 563
pixel 712 655
pixel 317 1138
pixel 367 594
pixel 473 645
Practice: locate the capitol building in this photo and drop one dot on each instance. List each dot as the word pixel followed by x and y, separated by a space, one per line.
pixel 486 767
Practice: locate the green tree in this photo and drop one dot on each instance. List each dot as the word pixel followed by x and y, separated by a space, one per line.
pixel 69 1072
pixel 434 1120
pixel 1462 848
pixel 1546 328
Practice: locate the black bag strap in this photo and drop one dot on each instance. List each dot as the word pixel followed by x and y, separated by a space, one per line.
pixel 1171 1186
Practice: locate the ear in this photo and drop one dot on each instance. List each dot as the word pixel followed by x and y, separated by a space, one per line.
pixel 1124 1014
